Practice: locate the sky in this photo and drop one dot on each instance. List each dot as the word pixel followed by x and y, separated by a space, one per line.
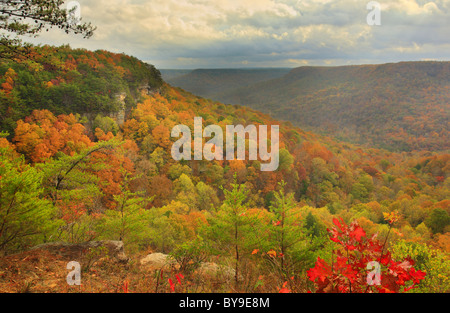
pixel 189 34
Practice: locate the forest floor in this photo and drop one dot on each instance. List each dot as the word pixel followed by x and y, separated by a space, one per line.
pixel 40 271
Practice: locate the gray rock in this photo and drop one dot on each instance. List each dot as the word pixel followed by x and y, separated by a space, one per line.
pixel 157 261
pixel 215 270
pixel 90 249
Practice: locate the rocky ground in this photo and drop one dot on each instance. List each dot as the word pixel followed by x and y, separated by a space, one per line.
pixel 105 268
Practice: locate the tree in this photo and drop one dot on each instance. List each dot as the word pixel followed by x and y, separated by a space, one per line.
pixel 185 191
pixel 289 252
pixel 73 185
pixel 230 227
pixel 207 196
pixel 70 168
pixel 285 230
pixel 106 124
pixel 286 160
pixel 354 255
pixel 43 135
pixel 432 261
pixel 127 221
pixel 438 220
pixel 30 17
pixel 313 226
pixel 26 217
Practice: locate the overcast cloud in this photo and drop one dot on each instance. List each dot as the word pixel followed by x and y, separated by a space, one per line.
pixel 264 33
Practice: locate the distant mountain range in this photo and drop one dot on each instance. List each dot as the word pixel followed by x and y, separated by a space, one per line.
pixel 397 106
pixel 212 83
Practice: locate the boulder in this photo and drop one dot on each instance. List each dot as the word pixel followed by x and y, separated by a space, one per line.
pixel 90 249
pixel 217 271
pixel 157 261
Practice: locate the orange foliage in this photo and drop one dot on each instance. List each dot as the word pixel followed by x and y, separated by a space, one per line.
pixel 111 177
pixel 42 135
pixel 161 134
pixel 8 85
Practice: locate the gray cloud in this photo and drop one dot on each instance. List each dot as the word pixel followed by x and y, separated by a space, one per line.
pixel 233 33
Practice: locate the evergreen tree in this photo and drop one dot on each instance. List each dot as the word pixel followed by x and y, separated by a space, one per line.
pixel 30 17
pixel 285 231
pixel 128 220
pixel 231 227
pixel 26 217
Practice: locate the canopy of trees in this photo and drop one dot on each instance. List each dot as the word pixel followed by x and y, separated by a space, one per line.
pixel 74 178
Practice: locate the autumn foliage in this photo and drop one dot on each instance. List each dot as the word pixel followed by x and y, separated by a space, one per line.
pixel 348 269
pixel 71 170
pixel 42 135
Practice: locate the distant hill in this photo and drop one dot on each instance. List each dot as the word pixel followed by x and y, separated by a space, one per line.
pixel 169 74
pixel 211 83
pixel 401 107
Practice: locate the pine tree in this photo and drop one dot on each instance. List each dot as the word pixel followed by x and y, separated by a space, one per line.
pixel 284 231
pixel 30 17
pixel 127 221
pixel 26 217
pixel 230 228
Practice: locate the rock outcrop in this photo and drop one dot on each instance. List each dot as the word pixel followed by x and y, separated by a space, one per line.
pixel 217 271
pixel 74 252
pixel 120 115
pixel 157 261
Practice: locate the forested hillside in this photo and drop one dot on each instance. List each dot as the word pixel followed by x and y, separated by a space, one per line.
pixel 65 80
pixel 211 83
pixel 400 107
pixel 71 172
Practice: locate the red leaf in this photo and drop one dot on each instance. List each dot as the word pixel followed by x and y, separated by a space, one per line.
pixel 172 285
pixel 179 277
pixel 320 271
pixel 358 233
pixel 125 287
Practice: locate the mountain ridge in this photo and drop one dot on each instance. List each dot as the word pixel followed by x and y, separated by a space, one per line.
pixel 352 102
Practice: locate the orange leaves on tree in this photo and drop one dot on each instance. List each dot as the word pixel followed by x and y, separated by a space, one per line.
pixel 8 85
pixel 316 150
pixel 111 176
pixel 42 135
pixel 72 212
pixel 161 134
pixel 11 149
pixel 100 135
pixel 391 217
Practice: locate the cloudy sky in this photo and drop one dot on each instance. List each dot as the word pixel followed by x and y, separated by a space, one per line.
pixel 264 33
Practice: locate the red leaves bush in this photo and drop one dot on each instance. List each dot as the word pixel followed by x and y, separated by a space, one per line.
pixel 348 269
